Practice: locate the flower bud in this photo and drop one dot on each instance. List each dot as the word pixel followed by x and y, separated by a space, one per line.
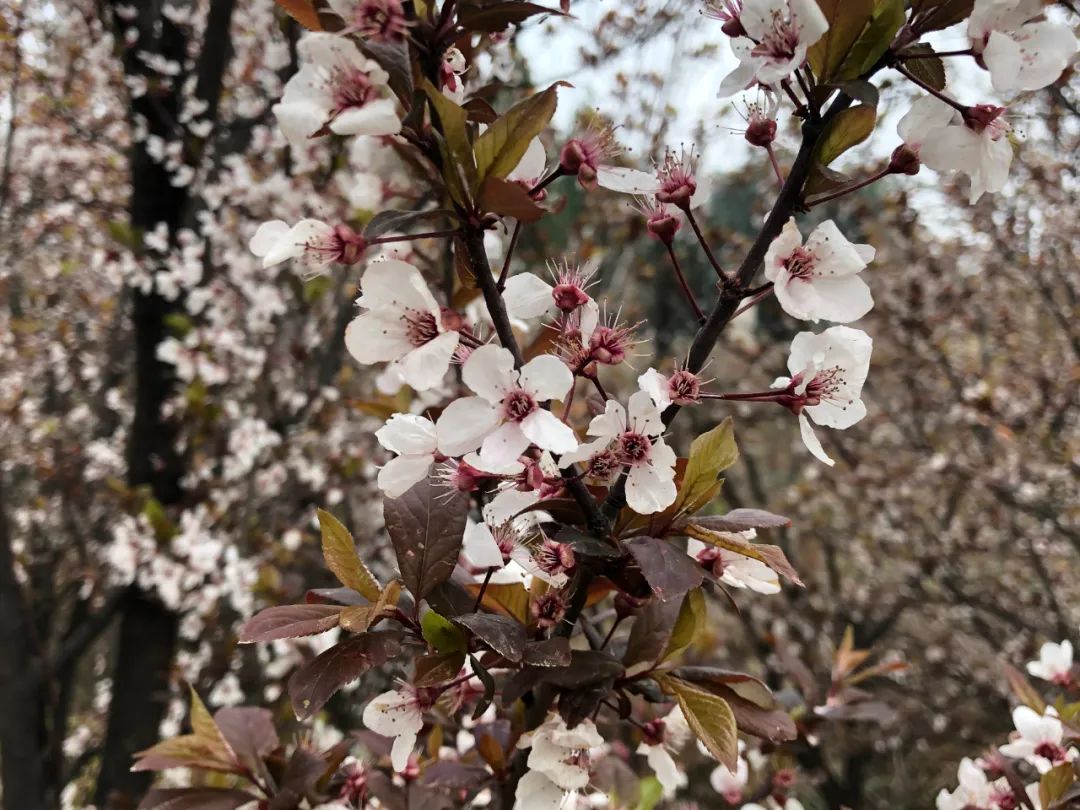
pixel 548 610
pixel 904 160
pixel 662 226
pixel 569 297
pixel 761 131
pixel 572 156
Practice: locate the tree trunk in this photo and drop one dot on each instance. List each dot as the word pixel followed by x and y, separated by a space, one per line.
pixel 21 729
pixel 148 630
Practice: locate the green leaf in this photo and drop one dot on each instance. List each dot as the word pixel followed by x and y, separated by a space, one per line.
pixel 501 146
pixel 847 20
pixel 849 128
pixel 710 454
pixel 650 793
pixel 441 634
pixel 887 18
pixel 709 717
pixel 692 617
pixel 339 551
pixel 453 122
pixel 1054 783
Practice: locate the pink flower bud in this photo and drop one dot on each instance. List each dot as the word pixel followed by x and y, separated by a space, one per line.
pixel 904 160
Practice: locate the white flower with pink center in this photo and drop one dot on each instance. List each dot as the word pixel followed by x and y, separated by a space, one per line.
pixel 402 323
pixel 728 784
pixel 337 89
pixel 1054 664
pixel 399 714
pixel 681 388
pixel 828 371
pixel 1039 740
pixel 316 243
pixel 633 439
pixel 1022 52
pixel 589 158
pixel 664 738
pixel 976 143
pixel 412 438
pixel 528 296
pixel 819 280
pixel 559 763
pixel 507 413
pixel 777 35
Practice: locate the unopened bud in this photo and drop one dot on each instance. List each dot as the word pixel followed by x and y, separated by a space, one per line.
pixel 904 160
pixel 572 156
pixel 761 132
pixel 663 227
pixel 733 28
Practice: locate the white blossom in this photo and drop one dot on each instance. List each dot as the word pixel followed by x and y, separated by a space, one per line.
pixel 402 323
pixel 398 714
pixel 1055 662
pixel 337 89
pixel 778 35
pixel 1039 740
pixel 412 437
pixel 1021 52
pixel 828 371
pixel 633 440
pixel 819 280
pixel 506 415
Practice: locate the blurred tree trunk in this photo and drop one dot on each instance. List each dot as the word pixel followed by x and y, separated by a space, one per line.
pixel 148 629
pixel 21 726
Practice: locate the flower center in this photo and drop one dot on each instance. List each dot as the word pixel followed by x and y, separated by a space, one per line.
pixel 800 264
pixel 781 40
pixel 568 297
pixel 380 19
pixel 1051 751
pixel 604 466
pixel 352 89
pixel 634 447
pixel 684 387
pixel 518 404
pixel 420 327
pixel 824 387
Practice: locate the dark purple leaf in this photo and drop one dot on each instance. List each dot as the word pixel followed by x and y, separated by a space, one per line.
pixel 289 621
pixel 317 680
pixel 249 731
pixel 302 773
pixel 581 704
pixel 196 798
pixel 509 199
pixel 449 773
pixel 393 57
pixel 489 687
pixel 491 17
pixel 437 668
pixel 586 668
pixel 585 544
pixel 382 788
pixel 341 596
pixel 738 520
pixel 668 570
pixel 401 221
pixel 503 634
pixel 552 652
pixel 650 633
pixel 425 528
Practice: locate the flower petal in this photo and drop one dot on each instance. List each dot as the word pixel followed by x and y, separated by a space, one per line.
pixel 504 445
pixel 400 474
pixel 407 434
pixel 489 372
pixel 425 366
pixel 464 425
pixel 546 377
pixel 548 432
pixel 813 444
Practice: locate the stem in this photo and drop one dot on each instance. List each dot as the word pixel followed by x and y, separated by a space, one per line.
pixel 818 199
pixel 911 57
pixel 610 633
pixel 551 178
pixel 800 108
pixel 758 295
pixel 911 77
pixel 382 240
pixel 682 283
pixel 775 164
pixel 806 92
pixel 483 587
pixel 705 245
pixel 509 255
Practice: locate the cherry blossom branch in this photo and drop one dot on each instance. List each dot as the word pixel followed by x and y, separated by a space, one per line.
pixel 705 245
pixel 685 287
pixel 505 273
pixel 478 261
pixel 819 199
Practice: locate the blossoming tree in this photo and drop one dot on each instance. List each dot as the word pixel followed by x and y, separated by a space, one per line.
pixel 555 555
